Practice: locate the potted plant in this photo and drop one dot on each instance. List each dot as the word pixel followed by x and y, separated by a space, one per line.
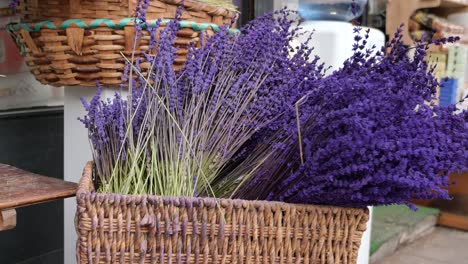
pixel 71 42
pixel 250 154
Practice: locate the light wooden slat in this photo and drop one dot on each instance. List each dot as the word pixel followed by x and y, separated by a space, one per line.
pixel 453 220
pixel 21 188
pixel 7 219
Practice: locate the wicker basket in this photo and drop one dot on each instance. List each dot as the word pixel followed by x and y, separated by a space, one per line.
pixel 151 229
pixel 76 42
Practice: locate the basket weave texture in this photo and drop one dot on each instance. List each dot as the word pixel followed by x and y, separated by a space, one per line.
pixel 32 11
pixel 152 229
pixel 77 42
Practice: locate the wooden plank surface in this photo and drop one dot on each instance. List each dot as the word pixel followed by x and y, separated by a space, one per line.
pixel 21 188
pixel 453 220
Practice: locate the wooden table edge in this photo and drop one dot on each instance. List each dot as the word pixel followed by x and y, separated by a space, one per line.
pixel 38 200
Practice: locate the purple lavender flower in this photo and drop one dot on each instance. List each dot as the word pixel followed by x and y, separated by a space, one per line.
pixel 229 89
pixel 369 138
pixel 252 104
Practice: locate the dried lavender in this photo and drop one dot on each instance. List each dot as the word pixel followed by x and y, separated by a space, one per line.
pixel 181 130
pixel 368 136
pixel 252 117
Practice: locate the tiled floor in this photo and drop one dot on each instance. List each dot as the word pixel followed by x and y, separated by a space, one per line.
pixel 443 246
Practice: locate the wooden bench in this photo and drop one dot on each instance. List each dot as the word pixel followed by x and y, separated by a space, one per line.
pixel 20 188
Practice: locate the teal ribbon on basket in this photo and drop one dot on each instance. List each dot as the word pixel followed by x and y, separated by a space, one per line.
pixel 109 23
pixel 11 28
pixel 18 42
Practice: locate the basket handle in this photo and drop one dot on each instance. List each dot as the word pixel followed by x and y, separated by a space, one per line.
pixel 86 182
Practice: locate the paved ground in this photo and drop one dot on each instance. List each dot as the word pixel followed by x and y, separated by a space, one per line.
pixel 443 246
pixel 396 224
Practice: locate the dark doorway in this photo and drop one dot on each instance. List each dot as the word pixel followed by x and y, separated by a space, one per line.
pixel 33 140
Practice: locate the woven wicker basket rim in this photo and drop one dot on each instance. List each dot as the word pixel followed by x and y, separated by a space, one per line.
pixel 86 190
pixel 193 5
pixel 115 24
pixel 199 6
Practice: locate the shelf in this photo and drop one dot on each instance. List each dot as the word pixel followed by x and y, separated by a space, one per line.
pixel 400 11
pixel 21 188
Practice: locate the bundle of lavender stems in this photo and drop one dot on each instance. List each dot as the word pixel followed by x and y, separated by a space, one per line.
pixel 251 116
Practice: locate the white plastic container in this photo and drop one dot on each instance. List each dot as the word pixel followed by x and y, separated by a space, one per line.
pixel 336 10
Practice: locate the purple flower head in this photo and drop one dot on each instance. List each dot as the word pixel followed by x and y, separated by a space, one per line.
pixel 368 136
pixel 254 104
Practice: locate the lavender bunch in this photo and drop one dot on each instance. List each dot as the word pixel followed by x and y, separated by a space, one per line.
pixel 252 117
pixel 367 136
pixel 178 132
